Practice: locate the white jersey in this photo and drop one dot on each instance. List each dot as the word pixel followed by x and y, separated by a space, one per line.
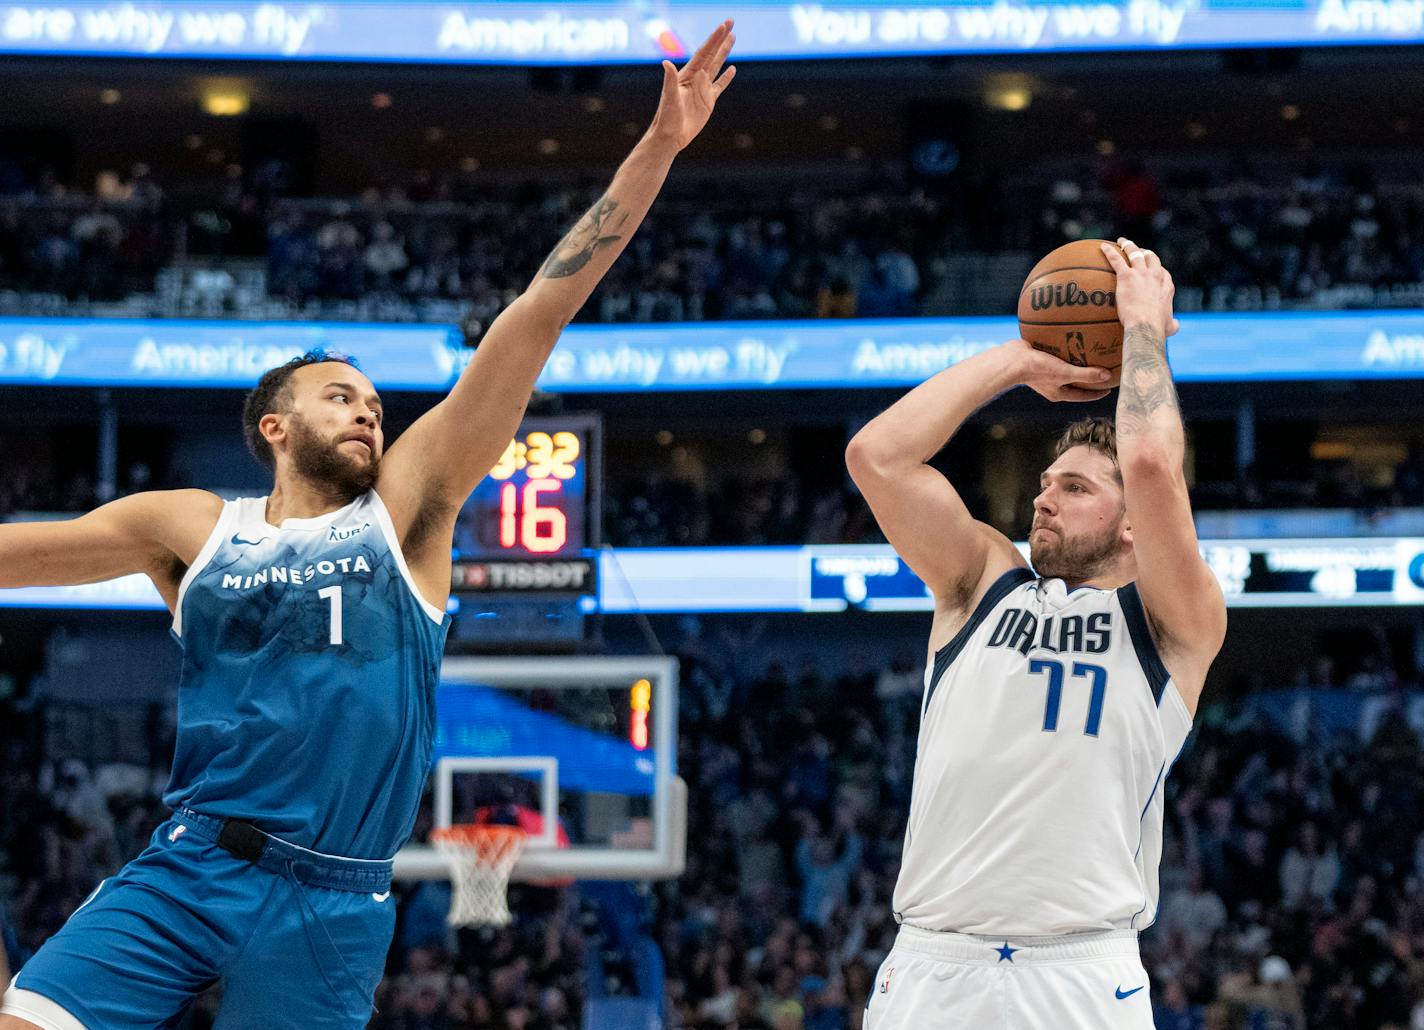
pixel 1047 729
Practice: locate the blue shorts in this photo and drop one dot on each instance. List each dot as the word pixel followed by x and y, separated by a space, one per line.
pixel 295 938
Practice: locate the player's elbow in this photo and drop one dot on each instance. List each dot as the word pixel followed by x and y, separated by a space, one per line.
pixel 866 459
pixel 1150 461
pixel 856 458
pixel 546 309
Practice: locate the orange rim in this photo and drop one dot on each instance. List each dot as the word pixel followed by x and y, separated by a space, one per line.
pixel 486 841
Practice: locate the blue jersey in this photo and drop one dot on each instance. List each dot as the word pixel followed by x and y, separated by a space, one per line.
pixel 307 699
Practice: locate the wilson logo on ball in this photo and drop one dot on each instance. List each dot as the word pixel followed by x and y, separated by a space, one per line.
pixel 1069 294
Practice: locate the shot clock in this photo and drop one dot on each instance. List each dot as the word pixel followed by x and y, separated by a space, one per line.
pixel 539 500
pixel 524 575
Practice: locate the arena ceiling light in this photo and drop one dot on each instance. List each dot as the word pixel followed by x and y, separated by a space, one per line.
pixel 1008 92
pixel 225 98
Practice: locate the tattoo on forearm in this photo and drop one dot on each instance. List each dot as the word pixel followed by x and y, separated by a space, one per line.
pixel 1147 386
pixel 576 249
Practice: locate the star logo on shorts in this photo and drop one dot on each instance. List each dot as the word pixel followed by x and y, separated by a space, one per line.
pixel 1006 953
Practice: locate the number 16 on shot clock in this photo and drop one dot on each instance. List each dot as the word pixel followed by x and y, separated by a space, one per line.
pixel 524 522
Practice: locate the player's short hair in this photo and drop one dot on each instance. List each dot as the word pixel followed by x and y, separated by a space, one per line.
pixel 273 395
pixel 1098 433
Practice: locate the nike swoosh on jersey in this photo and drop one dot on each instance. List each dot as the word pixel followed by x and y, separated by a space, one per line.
pixel 237 539
pixel 387 894
pixel 1126 994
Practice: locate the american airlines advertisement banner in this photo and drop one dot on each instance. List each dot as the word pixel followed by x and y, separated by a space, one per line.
pixel 823 354
pixel 645 30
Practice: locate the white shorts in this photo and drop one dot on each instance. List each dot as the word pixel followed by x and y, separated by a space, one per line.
pixel 955 981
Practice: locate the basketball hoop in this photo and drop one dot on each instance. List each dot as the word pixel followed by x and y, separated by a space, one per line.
pixel 480 857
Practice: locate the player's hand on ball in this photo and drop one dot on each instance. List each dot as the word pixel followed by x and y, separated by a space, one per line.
pixel 690 94
pixel 1144 287
pixel 1050 376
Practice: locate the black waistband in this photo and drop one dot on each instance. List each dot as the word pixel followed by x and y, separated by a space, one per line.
pixel 244 841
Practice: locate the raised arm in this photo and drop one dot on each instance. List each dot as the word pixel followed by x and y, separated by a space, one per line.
pixel 442 457
pixel 1182 598
pixel 919 511
pixel 157 533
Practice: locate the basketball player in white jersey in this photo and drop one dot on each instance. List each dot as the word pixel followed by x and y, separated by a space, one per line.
pixel 1056 698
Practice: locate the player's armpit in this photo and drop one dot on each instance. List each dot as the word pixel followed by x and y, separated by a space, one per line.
pixel 1180 593
pixel 142 533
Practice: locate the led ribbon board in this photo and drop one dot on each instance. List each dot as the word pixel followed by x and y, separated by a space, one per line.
pixel 647 30
pixel 1312 347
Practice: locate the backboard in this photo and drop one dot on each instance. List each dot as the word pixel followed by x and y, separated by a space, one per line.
pixel 583 749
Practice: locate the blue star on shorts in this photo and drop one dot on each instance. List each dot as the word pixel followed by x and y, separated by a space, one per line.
pixel 1006 953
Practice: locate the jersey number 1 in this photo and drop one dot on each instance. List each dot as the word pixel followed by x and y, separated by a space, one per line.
pixel 333 594
pixel 1096 673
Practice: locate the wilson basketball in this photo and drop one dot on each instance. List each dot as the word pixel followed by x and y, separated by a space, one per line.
pixel 1068 307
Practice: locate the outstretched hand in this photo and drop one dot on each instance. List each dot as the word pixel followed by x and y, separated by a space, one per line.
pixel 690 94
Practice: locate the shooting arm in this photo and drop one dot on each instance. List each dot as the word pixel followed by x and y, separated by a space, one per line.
pixel 920 513
pixel 1182 598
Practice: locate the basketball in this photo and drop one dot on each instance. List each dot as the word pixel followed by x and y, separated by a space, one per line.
pixel 1068 307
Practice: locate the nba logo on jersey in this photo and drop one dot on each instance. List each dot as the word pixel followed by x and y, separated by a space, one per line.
pixel 885 984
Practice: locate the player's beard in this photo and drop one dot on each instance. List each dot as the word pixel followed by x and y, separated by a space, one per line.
pixel 1074 559
pixel 323 461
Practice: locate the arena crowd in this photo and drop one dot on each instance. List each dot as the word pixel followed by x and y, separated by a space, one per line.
pixel 1292 879
pixel 1324 234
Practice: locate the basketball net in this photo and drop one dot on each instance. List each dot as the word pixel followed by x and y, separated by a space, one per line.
pixel 481 858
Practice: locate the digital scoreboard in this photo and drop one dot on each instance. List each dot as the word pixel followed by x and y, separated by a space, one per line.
pixel 535 502
pixel 528 525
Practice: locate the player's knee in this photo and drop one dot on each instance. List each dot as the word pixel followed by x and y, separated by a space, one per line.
pixel 16 1023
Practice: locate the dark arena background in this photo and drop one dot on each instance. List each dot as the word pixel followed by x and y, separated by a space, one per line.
pixel 191 193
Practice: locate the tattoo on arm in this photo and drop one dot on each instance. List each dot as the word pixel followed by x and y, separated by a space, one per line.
pixel 577 248
pixel 1147 386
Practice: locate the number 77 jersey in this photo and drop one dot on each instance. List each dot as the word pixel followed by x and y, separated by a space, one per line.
pixel 306 703
pixel 1047 729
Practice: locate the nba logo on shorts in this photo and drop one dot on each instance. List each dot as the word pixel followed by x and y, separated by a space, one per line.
pixel 178 831
pixel 885 984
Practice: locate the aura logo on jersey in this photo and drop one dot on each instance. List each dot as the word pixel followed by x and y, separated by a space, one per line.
pixel 294 575
pixel 1021 630
pixel 339 533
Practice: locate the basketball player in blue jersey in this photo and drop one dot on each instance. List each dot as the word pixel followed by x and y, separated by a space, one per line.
pixel 1056 697
pixel 312 623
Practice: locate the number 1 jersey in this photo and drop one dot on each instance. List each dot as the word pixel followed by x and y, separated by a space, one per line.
pixel 307 698
pixel 1047 728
